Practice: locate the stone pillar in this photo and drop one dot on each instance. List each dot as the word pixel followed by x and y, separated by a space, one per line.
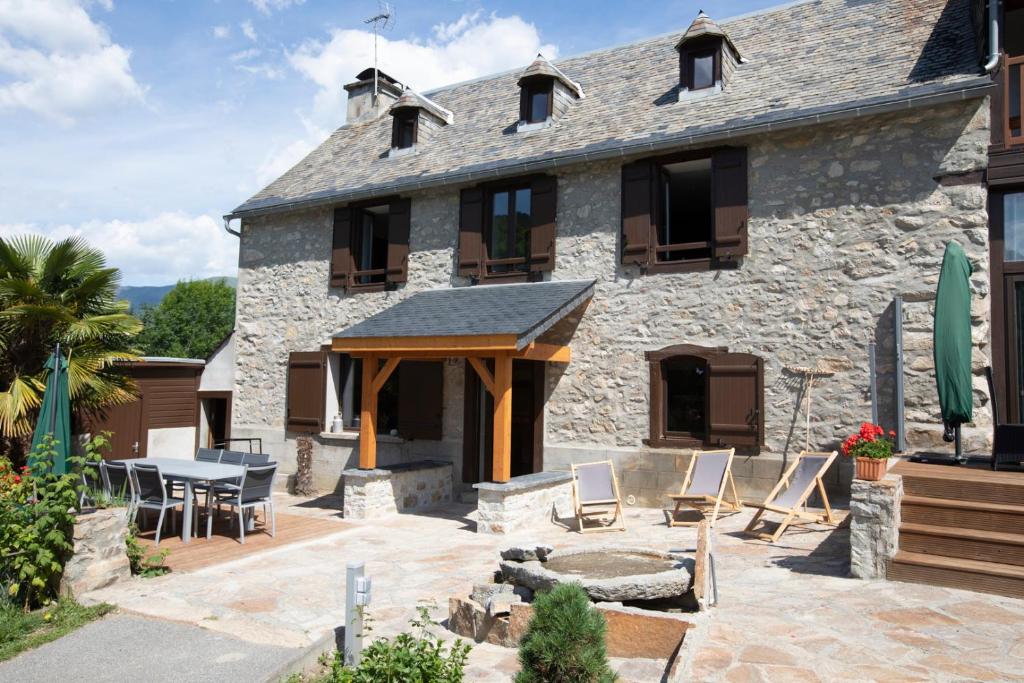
pixel 408 487
pixel 100 556
pixel 874 525
pixel 522 502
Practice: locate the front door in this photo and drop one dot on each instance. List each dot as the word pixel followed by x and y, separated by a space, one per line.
pixel 1006 213
pixel 527 422
pixel 128 439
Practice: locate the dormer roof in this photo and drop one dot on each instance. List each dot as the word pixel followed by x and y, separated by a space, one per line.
pixel 410 99
pixel 705 27
pixel 542 67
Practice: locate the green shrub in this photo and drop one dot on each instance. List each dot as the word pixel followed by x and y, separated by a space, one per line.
pixel 407 658
pixel 142 564
pixel 564 642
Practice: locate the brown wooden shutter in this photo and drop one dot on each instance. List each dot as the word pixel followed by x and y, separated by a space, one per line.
pixel 306 391
pixel 398 240
pixel 543 210
pixel 420 399
pixel 471 232
pixel 729 194
pixel 736 401
pixel 637 208
pixel 341 251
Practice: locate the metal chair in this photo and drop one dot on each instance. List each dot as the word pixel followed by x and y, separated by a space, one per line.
pixel 209 454
pixel 1007 437
pixel 117 484
pixel 152 495
pixel 233 457
pixel 255 458
pixel 256 490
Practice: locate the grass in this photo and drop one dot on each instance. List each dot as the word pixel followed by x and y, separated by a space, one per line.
pixel 20 631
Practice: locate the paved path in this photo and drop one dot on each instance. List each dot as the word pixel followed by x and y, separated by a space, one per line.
pixel 122 648
pixel 787 612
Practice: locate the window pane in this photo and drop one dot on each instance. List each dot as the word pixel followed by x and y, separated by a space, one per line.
pixel 366 242
pixel 1013 226
pixel 684 395
pixel 405 133
pixel 523 223
pixel 703 70
pixel 1013 96
pixel 538 106
pixel 685 211
pixel 498 248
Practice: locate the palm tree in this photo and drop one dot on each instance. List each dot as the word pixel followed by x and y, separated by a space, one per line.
pixel 60 292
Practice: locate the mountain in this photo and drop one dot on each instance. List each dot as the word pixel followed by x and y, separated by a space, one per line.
pixel 151 295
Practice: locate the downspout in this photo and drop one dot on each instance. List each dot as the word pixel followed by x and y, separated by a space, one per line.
pixel 993 36
pixel 227 227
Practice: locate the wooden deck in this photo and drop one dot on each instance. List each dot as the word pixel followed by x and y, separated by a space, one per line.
pixel 223 545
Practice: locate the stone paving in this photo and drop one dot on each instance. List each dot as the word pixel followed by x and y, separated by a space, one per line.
pixel 786 612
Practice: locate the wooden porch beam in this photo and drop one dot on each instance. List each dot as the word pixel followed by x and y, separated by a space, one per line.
pixel 485 375
pixel 545 352
pixel 368 416
pixel 385 372
pixel 446 346
pixel 502 468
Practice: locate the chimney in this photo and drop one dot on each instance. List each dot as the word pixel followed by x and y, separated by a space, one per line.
pixel 361 104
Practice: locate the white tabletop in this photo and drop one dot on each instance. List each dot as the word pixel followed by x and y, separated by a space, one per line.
pixel 194 470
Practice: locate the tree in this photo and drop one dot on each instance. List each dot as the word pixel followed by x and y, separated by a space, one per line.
pixel 564 642
pixel 62 292
pixel 191 320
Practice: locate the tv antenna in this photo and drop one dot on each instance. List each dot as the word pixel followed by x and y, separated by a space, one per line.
pixel 382 21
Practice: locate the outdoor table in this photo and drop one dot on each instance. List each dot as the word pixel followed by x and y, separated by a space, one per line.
pixel 190 472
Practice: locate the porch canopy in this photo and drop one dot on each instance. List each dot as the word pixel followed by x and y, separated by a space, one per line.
pixel 500 322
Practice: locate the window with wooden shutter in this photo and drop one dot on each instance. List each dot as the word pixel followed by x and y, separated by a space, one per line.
pixel 544 210
pixel 341 250
pixel 637 208
pixel 420 399
pixel 398 241
pixel 306 392
pixel 729 192
pixel 471 227
pixel 736 401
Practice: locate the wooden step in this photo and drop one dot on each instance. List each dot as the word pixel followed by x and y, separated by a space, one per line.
pixel 962 514
pixel 970 544
pixel 961 483
pixel 985 577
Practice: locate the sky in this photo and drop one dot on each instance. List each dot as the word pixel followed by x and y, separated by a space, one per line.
pixel 137 124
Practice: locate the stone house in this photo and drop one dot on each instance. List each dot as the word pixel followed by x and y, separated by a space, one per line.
pixel 734 202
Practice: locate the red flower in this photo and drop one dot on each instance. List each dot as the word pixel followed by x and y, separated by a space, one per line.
pixel 24 469
pixel 17 479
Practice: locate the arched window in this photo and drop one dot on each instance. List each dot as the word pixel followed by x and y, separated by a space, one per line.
pixel 706 396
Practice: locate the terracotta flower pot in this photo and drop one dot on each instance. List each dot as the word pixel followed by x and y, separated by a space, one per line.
pixel 871 469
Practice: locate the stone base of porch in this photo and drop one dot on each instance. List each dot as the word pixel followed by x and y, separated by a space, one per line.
pixel 523 502
pixel 393 489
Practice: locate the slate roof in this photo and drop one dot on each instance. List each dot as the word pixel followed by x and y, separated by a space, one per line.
pixel 542 67
pixel 524 310
pixel 703 26
pixel 411 98
pixel 806 62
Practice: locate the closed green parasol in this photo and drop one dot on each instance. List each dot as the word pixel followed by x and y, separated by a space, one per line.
pixel 952 341
pixel 55 413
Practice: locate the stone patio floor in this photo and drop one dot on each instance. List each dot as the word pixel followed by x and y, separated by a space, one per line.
pixel 787 612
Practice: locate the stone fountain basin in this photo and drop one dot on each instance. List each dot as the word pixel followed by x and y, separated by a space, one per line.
pixel 607 573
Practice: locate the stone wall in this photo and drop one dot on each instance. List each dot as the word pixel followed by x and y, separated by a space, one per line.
pixel 370 494
pixel 523 502
pixel 874 525
pixel 843 218
pixel 100 556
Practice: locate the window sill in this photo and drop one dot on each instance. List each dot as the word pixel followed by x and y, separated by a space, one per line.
pixel 692 266
pixel 511 278
pixel 687 95
pixel 374 287
pixel 674 442
pixel 399 152
pixel 523 127
pixel 353 436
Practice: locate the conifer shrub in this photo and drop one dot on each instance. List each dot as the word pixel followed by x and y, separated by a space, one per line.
pixel 564 642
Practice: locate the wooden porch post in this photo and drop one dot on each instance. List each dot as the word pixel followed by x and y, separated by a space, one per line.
pixel 368 416
pixel 502 468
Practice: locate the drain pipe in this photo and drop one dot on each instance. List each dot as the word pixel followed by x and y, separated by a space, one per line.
pixel 993 36
pixel 227 227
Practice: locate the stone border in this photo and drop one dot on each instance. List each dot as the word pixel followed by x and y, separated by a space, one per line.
pixel 874 525
pixel 522 502
pixel 666 584
pixel 393 489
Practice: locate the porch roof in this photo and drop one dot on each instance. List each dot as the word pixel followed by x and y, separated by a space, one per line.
pixel 484 317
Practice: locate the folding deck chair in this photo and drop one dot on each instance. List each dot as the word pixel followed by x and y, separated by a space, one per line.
pixel 802 477
pixel 704 486
pixel 595 496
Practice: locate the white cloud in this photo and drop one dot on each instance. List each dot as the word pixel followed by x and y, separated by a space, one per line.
pixel 266 70
pixel 268 6
pixel 472 46
pixel 155 251
pixel 244 55
pixel 56 61
pixel 248 30
pixel 221 31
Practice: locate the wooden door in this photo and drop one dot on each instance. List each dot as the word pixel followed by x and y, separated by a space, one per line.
pixel 1014 297
pixel 129 434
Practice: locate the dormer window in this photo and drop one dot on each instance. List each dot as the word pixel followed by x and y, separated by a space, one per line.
pixel 415 119
pixel 707 57
pixel 544 93
pixel 535 100
pixel 404 129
